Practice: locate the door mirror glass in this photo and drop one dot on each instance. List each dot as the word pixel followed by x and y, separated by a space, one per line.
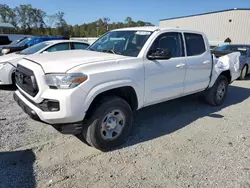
pixel 159 54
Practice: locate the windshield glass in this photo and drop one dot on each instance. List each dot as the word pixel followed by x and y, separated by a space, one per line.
pixel 234 48
pixel 34 49
pixel 14 42
pixel 23 42
pixel 127 43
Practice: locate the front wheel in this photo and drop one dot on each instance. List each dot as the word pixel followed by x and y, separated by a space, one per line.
pixel 216 95
pixel 109 124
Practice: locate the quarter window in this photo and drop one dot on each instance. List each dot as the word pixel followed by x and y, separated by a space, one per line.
pixel 58 47
pixel 171 42
pixel 80 46
pixel 195 44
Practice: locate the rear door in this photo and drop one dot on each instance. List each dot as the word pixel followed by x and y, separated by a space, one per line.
pixel 199 63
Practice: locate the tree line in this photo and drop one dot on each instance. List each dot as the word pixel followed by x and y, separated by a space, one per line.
pixel 34 21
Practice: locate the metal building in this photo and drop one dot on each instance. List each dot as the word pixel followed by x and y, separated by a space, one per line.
pixel 7 26
pixel 218 26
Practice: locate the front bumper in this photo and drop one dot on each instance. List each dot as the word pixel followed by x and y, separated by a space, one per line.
pixel 26 108
pixel 64 120
pixel 6 71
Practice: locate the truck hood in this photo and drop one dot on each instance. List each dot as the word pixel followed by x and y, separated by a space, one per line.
pixel 60 62
pixel 13 58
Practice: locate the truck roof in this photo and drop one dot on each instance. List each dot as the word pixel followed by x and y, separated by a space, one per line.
pixel 61 41
pixel 144 28
pixel 155 28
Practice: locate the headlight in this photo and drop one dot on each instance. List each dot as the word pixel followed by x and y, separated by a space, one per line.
pixel 64 81
pixel 5 51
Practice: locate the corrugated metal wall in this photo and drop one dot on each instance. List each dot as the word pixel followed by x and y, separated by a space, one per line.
pixel 217 25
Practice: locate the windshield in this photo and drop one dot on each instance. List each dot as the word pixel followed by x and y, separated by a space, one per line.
pixel 34 49
pixel 17 41
pixel 14 42
pixel 23 42
pixel 233 48
pixel 127 43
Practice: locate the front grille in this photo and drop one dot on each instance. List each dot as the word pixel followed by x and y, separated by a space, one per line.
pixel 26 80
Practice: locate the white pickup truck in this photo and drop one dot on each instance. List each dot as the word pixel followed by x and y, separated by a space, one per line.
pixel 95 92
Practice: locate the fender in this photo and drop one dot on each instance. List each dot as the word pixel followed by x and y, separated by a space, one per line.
pixel 9 69
pixel 98 89
pixel 231 63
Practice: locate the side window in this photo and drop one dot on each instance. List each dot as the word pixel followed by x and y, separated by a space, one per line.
pixel 79 46
pixel 58 47
pixel 171 42
pixel 195 44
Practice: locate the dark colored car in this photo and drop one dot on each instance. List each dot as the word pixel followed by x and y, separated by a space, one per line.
pixel 244 58
pixel 25 43
pixel 4 40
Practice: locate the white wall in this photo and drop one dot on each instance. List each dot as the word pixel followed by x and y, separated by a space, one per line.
pixel 217 26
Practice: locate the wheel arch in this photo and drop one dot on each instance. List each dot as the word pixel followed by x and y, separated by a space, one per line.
pixel 126 90
pixel 11 72
pixel 215 76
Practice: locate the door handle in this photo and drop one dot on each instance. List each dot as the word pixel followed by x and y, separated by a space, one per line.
pixel 181 65
pixel 206 62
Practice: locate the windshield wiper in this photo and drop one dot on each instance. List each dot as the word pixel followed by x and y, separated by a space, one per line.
pixel 109 51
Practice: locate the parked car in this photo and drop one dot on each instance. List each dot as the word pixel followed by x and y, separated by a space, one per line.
pixel 95 92
pixel 4 40
pixel 244 58
pixel 8 62
pixel 27 42
pixel 12 39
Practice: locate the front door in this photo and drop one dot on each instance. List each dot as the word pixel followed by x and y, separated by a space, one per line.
pixel 164 78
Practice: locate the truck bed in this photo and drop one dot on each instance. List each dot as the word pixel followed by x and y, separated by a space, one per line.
pixel 220 53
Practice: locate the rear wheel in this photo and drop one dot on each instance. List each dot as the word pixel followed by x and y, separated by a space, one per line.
pixel 109 124
pixel 243 73
pixel 216 95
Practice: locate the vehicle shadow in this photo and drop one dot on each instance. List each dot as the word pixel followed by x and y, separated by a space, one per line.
pixel 8 87
pixel 165 118
pixel 16 169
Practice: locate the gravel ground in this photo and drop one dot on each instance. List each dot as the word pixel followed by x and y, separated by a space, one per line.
pixel 181 143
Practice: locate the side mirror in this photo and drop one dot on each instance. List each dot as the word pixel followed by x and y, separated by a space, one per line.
pixel 159 54
pixel 45 52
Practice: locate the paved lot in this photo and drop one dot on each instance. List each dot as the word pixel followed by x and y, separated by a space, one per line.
pixel 182 143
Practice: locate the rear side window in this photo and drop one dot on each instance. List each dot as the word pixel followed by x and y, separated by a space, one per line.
pixel 195 44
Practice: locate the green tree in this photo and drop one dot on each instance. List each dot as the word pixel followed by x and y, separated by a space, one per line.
pixel 61 24
pixel 30 20
pixel 128 21
pixel 7 14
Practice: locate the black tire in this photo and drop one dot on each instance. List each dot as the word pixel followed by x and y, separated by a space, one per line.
pixel 243 73
pixel 93 125
pixel 211 96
